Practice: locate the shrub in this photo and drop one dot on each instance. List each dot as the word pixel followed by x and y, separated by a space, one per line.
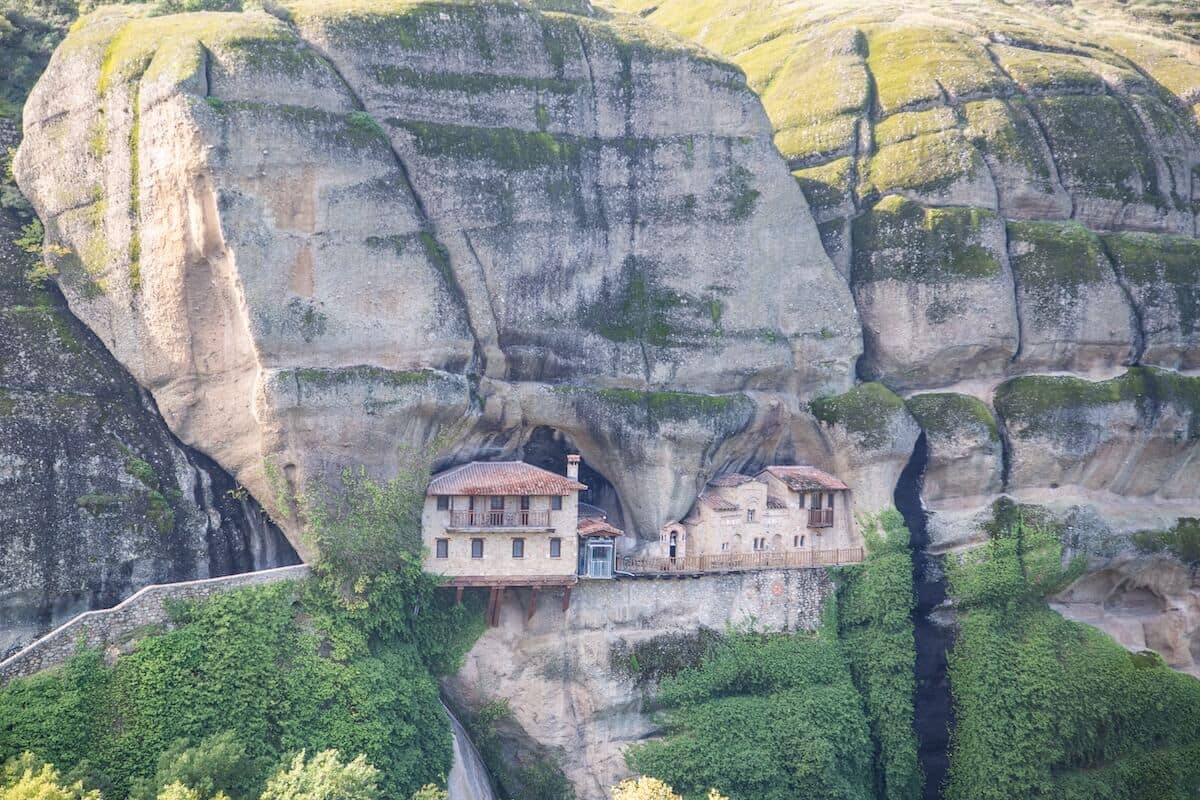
pixel 325 777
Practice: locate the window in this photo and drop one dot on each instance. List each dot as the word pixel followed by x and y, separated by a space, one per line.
pixel 556 503
pixel 815 502
pixel 760 543
pixel 471 502
pixel 724 546
pixel 831 499
pixel 443 548
pixel 798 541
pixel 555 547
pixel 749 515
pixel 524 502
pixel 443 502
pixel 802 501
pixel 518 548
pixel 497 503
pixel 477 548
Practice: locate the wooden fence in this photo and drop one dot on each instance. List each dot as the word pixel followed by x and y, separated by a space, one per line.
pixel 726 562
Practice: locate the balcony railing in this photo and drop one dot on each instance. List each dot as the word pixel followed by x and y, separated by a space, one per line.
pixel 500 519
pixel 820 518
pixel 725 562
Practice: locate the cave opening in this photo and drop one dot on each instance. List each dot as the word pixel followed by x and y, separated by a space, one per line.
pixel 548 448
pixel 933 709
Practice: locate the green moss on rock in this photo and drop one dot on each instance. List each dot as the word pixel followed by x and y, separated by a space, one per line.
pixel 1004 130
pixel 827 186
pixel 507 148
pixel 907 125
pixel 1047 405
pixel 1099 147
pixel 868 411
pixel 904 241
pixel 1164 269
pixel 953 415
pixel 1053 255
pixel 639 308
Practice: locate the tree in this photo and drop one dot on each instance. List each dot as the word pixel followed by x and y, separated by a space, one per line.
pixel 217 766
pixel 325 777
pixel 652 789
pixel 430 791
pixel 26 778
pixel 177 791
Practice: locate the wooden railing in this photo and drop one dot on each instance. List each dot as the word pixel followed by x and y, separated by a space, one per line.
pixel 723 562
pixel 820 518
pixel 523 518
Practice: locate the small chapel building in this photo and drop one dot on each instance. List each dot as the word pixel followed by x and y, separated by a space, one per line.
pixel 511 523
pixel 780 509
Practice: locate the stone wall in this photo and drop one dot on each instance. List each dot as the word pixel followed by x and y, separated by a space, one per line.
pixel 110 625
pixel 565 675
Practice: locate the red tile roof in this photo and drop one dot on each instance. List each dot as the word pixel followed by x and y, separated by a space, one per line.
pixel 717 503
pixel 732 479
pixel 774 502
pixel 806 479
pixel 592 527
pixel 501 477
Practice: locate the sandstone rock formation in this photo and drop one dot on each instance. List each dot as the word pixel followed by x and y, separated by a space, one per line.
pixel 98 498
pixel 319 236
pixel 579 682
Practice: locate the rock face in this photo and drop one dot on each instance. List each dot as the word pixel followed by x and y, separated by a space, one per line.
pixel 99 499
pixel 1143 603
pixel 317 237
pixel 578 682
pixel 966 162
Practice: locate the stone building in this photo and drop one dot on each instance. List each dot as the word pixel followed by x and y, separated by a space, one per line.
pixel 781 509
pixel 511 523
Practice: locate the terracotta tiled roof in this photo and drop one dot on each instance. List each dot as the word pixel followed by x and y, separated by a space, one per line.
pixel 775 502
pixel 592 527
pixel 732 479
pixel 717 503
pixel 501 477
pixel 806 479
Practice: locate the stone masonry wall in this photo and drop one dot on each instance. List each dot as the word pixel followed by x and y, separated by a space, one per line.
pixel 110 625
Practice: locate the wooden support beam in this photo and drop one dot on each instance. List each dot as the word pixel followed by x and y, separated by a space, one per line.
pixel 566 598
pixel 532 603
pixel 458 593
pixel 499 603
pixel 491 608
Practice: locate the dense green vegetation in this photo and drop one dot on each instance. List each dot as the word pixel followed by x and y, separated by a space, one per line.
pixel 526 771
pixel 1046 707
pixel 243 681
pixel 875 603
pixel 768 716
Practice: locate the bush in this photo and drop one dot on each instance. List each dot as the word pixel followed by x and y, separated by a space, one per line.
pixel 875 603
pixel 25 778
pixel 770 717
pixel 325 777
pixel 1048 707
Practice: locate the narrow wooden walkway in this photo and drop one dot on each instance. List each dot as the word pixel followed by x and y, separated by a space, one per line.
pixel 738 562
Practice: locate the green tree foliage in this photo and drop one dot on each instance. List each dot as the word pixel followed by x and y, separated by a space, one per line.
pixel 769 717
pixel 26 778
pixel 258 662
pixel 875 603
pixel 325 777
pixel 217 764
pixel 177 791
pixel 430 791
pixel 1046 707
pixel 363 527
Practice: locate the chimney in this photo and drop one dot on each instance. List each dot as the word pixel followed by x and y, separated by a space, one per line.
pixel 573 467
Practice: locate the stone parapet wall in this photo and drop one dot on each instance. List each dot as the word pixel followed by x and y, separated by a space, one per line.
pixel 146 607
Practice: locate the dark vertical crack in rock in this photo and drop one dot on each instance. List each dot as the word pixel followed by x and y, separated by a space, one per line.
pixel 932 704
pixel 1135 311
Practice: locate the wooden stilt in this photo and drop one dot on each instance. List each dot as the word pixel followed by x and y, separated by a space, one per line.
pixel 491 609
pixel 532 604
pixel 566 598
pixel 458 593
pixel 499 603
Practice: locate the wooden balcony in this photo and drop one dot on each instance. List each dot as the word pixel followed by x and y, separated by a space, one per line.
pixel 731 562
pixel 523 518
pixel 820 518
